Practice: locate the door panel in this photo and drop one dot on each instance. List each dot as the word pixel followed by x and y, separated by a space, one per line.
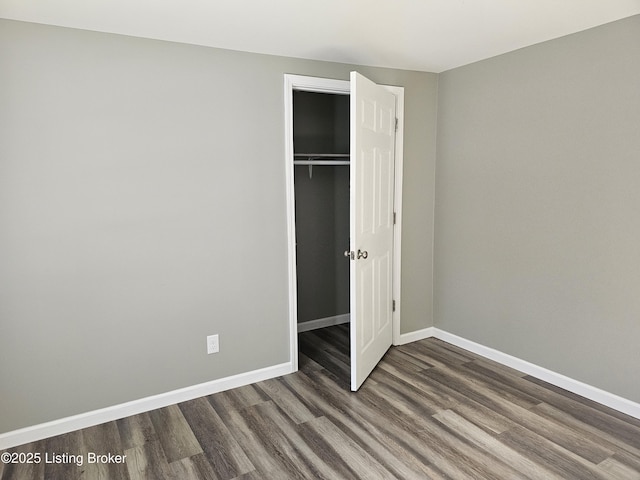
pixel 371 233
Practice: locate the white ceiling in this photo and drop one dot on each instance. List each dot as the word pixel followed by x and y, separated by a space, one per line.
pixel 427 35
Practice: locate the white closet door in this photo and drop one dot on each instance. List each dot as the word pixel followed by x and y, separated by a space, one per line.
pixel 373 113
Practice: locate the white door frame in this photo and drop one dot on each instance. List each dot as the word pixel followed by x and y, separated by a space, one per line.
pixel 340 87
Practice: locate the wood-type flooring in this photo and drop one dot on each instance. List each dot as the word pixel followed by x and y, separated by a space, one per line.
pixel 429 411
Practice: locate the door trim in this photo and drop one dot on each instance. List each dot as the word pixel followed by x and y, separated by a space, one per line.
pixel 340 87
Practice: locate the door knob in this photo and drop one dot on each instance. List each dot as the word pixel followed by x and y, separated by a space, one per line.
pixel 362 254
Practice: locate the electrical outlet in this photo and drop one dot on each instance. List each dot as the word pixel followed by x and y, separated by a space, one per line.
pixel 213 344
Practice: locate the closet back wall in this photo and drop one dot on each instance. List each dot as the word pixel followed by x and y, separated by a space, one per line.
pixel 322 236
pixel 143 207
pixel 321 125
pixel 320 122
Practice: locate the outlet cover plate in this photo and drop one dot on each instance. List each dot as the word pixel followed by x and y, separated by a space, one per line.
pixel 213 344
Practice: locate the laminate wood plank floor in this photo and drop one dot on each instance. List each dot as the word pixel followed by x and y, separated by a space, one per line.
pixel 428 411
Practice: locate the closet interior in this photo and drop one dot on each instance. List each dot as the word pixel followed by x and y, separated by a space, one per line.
pixel 321 185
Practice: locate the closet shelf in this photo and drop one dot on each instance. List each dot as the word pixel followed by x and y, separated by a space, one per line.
pixel 321 159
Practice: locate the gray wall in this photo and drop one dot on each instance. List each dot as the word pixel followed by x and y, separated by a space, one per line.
pixel 142 207
pixel 538 205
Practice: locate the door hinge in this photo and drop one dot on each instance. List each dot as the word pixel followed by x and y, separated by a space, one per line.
pixel 396 124
pixel 393 305
pixel 394 218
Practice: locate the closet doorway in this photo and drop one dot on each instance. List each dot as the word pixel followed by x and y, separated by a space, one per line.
pixel 344 190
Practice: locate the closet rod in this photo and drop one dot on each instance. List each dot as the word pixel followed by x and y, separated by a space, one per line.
pixel 322 155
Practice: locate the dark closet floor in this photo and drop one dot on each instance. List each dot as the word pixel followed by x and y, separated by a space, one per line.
pixel 328 348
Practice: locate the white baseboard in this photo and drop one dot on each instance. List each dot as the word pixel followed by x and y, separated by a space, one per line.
pixel 323 322
pixel 65 425
pixel 96 417
pixel 415 336
pixel 593 393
